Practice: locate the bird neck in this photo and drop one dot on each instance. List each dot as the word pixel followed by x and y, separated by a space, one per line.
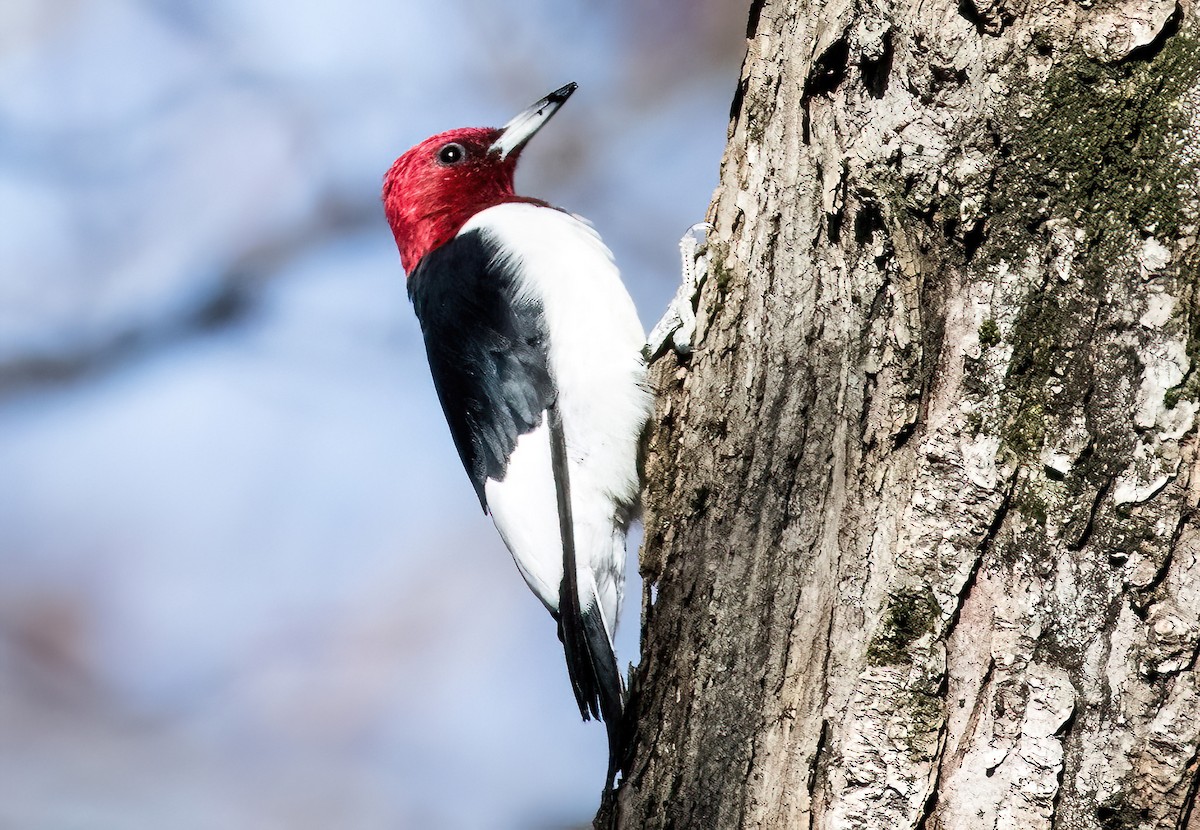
pixel 425 230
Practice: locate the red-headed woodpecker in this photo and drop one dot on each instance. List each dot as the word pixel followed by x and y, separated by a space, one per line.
pixel 536 354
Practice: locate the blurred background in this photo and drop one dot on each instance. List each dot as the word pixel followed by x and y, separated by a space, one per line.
pixel 244 581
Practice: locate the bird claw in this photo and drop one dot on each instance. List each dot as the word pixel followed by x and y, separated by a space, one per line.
pixel 678 323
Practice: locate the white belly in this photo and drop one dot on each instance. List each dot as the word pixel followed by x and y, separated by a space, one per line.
pixel 595 343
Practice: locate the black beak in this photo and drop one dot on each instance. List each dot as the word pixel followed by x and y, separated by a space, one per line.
pixel 516 133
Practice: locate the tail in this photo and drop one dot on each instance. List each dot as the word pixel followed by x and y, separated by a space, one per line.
pixel 591 663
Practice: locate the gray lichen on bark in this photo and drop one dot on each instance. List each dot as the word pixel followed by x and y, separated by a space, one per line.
pixel 921 541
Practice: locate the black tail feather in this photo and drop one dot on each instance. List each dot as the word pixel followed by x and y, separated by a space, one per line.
pixel 591 663
pixel 607 678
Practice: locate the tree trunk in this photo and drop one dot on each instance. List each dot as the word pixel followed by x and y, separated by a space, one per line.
pixel 922 548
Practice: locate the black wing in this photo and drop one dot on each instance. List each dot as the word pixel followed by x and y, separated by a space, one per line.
pixel 486 344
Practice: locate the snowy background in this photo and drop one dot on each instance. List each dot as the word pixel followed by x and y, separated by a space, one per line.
pixel 244 581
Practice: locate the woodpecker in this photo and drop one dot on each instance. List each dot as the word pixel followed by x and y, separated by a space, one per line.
pixel 535 348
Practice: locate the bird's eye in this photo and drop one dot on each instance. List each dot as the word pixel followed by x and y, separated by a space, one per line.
pixel 452 154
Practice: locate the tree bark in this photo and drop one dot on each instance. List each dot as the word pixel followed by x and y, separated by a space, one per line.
pixel 922 548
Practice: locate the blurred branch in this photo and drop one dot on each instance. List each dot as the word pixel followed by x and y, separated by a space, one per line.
pixel 231 300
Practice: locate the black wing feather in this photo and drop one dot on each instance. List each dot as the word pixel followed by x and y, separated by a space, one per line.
pixel 486 344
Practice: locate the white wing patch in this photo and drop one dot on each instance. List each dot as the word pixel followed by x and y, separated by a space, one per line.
pixel 525 511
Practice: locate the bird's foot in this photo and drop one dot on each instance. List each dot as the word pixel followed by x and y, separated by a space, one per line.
pixel 678 324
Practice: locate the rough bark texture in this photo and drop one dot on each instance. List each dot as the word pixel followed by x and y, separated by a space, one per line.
pixel 922 548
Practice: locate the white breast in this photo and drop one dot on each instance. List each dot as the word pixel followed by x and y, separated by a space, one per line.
pixel 595 358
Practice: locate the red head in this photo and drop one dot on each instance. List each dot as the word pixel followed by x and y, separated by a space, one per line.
pixel 434 188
